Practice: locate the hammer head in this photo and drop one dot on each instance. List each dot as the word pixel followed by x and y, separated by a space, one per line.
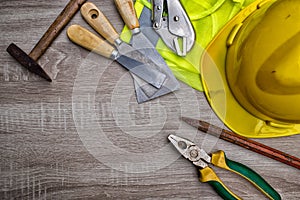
pixel 27 61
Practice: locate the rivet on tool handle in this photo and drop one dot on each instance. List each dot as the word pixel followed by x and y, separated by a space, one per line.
pixel 126 9
pixel 99 22
pixel 88 40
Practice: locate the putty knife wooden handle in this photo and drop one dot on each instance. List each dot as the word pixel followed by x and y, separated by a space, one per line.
pixel 88 40
pixel 127 11
pixel 96 19
pixel 99 22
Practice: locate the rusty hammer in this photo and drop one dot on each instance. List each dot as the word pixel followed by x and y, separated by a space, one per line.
pixel 30 61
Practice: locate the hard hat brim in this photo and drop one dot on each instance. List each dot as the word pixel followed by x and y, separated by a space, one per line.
pixel 219 96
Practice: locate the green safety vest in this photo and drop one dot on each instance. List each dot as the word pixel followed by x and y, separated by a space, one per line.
pixel 207 17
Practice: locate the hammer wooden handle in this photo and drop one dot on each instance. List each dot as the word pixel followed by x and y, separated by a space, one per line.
pixel 88 40
pixel 127 11
pixel 53 31
pixel 99 22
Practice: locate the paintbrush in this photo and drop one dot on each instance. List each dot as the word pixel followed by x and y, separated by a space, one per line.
pixel 244 142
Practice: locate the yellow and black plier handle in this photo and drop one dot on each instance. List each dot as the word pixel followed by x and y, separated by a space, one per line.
pixel 202 160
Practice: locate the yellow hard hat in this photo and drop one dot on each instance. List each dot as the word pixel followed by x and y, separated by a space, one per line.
pixel 251 70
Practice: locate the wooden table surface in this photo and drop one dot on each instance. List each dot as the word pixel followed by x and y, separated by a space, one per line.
pixel 83 136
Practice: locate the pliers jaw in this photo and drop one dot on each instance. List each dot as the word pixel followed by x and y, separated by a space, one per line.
pixel 202 160
pixel 173 25
pixel 190 151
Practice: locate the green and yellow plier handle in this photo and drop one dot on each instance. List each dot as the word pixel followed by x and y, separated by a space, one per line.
pixel 219 159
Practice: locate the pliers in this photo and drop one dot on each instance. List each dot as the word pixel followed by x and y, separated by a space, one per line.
pixel 202 160
pixel 172 24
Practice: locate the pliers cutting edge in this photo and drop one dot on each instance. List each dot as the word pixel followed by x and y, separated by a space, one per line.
pixel 201 159
pixel 171 22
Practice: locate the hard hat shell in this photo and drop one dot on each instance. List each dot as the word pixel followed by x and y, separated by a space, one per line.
pixel 255 61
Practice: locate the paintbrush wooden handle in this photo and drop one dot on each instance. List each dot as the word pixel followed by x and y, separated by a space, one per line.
pixel 261 148
pixel 249 144
pixel 55 28
pixel 88 40
pixel 96 19
pixel 127 11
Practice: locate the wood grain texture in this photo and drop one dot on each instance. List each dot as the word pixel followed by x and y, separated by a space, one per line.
pixel 83 136
pixel 90 41
pixel 55 28
pixel 99 22
pixel 126 9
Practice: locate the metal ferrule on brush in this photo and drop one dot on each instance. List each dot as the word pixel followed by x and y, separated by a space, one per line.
pixel 114 55
pixel 136 31
pixel 118 42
